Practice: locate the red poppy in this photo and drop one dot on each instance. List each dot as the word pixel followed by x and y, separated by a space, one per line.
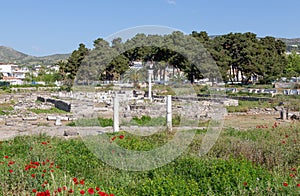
pixel 292 175
pixel 47 192
pixel 245 183
pixel 283 141
pixel 59 189
pixel 82 192
pixel 285 184
pixel 111 195
pixel 71 191
pixel 293 169
pixel 33 175
pixel 11 163
pixel 101 193
pixel 44 170
pixel 113 138
pixel 121 136
pixel 6 157
pixel 34 190
pixel 82 182
pixel 286 136
pixel 52 170
pixel 298 185
pixel 97 189
pixel 11 171
pixel 65 188
pixel 91 191
pixel 74 179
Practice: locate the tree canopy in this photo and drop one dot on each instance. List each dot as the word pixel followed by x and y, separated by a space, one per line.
pixel 232 57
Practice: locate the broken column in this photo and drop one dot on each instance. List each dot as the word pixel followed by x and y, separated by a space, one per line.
pixel 150 73
pixel 116 113
pixel 283 114
pixel 58 121
pixel 169 112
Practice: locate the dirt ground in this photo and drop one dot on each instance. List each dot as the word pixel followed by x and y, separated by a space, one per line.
pixel 251 121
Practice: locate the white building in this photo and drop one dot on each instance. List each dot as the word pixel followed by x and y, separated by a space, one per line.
pixel 13 73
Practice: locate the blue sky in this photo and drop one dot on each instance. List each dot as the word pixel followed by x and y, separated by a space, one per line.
pixel 39 28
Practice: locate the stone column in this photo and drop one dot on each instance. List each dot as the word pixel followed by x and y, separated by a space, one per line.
pixel 283 114
pixel 150 72
pixel 58 121
pixel 169 112
pixel 116 113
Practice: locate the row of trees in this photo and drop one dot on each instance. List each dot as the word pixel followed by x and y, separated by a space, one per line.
pixel 232 57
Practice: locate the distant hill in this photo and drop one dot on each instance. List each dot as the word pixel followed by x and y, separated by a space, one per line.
pixel 9 55
pixel 292 44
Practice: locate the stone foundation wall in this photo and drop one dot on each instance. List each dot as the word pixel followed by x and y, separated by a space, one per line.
pixel 62 105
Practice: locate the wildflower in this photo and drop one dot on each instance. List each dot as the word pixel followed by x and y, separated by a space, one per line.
pixel 74 179
pixel 285 184
pixel 59 189
pixel 245 183
pixel 101 193
pixel 34 190
pixel 82 192
pixel 11 163
pixel 113 138
pixel 33 175
pixel 71 191
pixel 97 189
pixel 91 191
pixel 82 182
pixel 298 185
pixel 11 171
pixel 121 136
pixel 6 157
pixel 293 169
pixel 292 175
pixel 283 141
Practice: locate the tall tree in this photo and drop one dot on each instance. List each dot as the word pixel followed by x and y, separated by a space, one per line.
pixel 273 60
pixel 293 65
pixel 71 67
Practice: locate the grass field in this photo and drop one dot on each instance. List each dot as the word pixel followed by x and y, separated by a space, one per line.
pixel 256 161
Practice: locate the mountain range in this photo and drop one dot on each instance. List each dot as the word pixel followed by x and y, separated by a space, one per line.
pixel 9 55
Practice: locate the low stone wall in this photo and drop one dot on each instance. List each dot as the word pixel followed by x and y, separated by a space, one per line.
pixel 62 105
